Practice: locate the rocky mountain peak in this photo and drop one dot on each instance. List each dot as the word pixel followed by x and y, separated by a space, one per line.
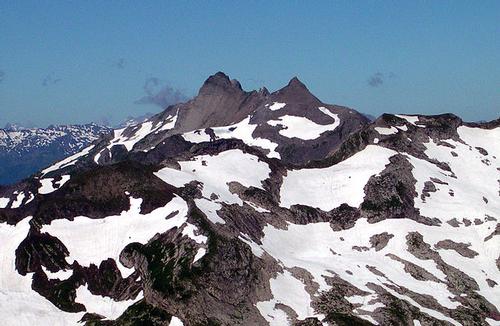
pixel 220 101
pixel 223 106
pixel 218 84
pixel 264 91
pixel 296 91
pixel 295 82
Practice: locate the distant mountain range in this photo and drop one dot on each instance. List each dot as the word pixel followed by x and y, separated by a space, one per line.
pixel 24 151
pixel 260 208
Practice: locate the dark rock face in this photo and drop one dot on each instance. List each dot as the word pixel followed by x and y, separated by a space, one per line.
pixel 392 193
pixel 379 241
pixel 40 249
pixel 234 255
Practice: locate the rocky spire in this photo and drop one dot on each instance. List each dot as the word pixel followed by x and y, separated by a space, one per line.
pixel 296 91
pixel 219 84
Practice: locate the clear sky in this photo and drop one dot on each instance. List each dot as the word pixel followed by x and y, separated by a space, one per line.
pixel 81 61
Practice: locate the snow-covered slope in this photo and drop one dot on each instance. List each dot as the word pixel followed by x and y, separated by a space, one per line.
pixel 395 224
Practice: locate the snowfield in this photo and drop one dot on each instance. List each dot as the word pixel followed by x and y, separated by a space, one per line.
pixel 303 128
pixel 324 252
pixel 341 183
pixel 216 172
pixel 461 194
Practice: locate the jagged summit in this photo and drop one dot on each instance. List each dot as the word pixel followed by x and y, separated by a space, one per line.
pixel 264 91
pixel 290 123
pixel 220 101
pixel 219 83
pixel 295 82
pixel 296 91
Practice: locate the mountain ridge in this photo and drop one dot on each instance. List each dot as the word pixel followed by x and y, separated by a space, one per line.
pixel 222 104
pixel 262 222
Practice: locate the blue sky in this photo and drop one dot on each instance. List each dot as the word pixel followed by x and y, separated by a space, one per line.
pixel 75 62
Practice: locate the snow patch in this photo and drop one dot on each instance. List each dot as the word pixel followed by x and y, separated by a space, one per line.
pixel 175 322
pixel 328 113
pixel 47 186
pixel 97 157
pixel 4 201
pixel 199 254
pixel 386 131
pixel 433 313
pixel 209 208
pixel 410 118
pixel 258 208
pixel 197 136
pixel 64 179
pixel 276 106
pixel 129 141
pixel 256 249
pixel 169 123
pixel 30 198
pixel 242 130
pixel 301 127
pixel 60 275
pixel 104 306
pixel 190 231
pixel 18 201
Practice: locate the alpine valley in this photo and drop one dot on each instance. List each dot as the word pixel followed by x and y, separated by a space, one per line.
pixel 259 208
